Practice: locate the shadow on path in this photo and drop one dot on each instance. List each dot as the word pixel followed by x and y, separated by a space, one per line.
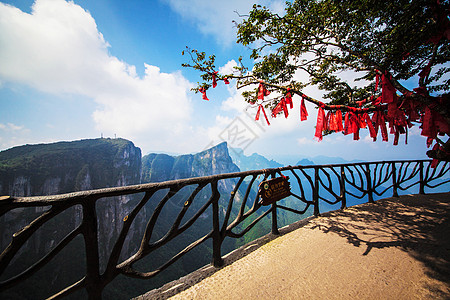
pixel 419 225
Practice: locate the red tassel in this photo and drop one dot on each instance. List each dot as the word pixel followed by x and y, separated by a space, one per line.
pixel 281 106
pixel 352 125
pixel 261 108
pixel 372 131
pixel 428 128
pixel 396 135
pixel 339 121
pixel 286 113
pixel 377 101
pixel 361 121
pixel 319 124
pixel 262 91
pixel 377 125
pixel 331 121
pixel 303 112
pixel 388 92
pixel 289 99
pixel 382 122
pixel 214 83
pixel 203 91
pixel 347 127
pixel 325 122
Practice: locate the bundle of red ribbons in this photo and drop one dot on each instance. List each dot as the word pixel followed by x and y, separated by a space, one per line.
pixel 398 118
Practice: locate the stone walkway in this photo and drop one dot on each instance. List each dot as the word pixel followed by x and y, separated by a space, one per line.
pixel 397 248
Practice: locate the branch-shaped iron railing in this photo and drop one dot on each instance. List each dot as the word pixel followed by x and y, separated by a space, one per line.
pixel 311 186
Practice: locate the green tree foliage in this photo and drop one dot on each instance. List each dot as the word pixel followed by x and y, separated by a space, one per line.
pixel 382 43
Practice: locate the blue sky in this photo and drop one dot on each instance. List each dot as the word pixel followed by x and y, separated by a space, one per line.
pixel 83 69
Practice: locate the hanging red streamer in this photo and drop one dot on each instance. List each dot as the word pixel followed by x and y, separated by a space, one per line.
pixel 388 93
pixel 331 121
pixel 428 128
pixel 225 80
pixel 382 124
pixel 369 123
pixel 339 121
pixel 303 112
pixel 262 91
pixel 351 125
pixel 289 99
pixel 203 91
pixel 261 108
pixel 214 83
pixel 319 124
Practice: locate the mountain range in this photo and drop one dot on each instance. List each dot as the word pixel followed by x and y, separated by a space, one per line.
pixel 64 167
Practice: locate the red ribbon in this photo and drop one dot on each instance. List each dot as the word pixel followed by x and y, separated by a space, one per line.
pixel 203 91
pixel 262 91
pixel 382 124
pixel 429 142
pixel 261 108
pixel 281 106
pixel 377 101
pixel 428 128
pixel 351 125
pixel 388 93
pixel 289 99
pixel 396 135
pixel 303 112
pixel 331 121
pixel 362 121
pixel 369 123
pixel 214 83
pixel 320 123
pixel 225 80
pixel 339 121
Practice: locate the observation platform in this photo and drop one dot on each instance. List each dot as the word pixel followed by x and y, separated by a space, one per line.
pixel 397 248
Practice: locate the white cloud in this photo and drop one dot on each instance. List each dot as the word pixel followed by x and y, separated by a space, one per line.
pixel 215 18
pixel 58 49
pixel 10 127
pixel 228 68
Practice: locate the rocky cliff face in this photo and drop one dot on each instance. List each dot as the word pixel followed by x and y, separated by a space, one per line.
pixel 161 167
pixel 64 167
pixel 90 164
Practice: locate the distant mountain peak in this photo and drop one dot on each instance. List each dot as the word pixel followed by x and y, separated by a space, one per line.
pixel 253 162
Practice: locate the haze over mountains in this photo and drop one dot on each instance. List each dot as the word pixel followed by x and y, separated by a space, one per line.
pixel 65 167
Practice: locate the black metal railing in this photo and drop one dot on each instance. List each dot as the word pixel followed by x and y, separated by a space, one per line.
pixel 316 188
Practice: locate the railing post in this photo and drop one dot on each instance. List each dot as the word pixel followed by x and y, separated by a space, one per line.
pixel 274 216
pixel 342 187
pixel 217 260
pixel 369 184
pixel 316 191
pixel 421 182
pixel 93 287
pixel 394 180
pixel 274 219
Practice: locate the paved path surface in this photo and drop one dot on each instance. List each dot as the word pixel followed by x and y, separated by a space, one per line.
pixel 397 248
